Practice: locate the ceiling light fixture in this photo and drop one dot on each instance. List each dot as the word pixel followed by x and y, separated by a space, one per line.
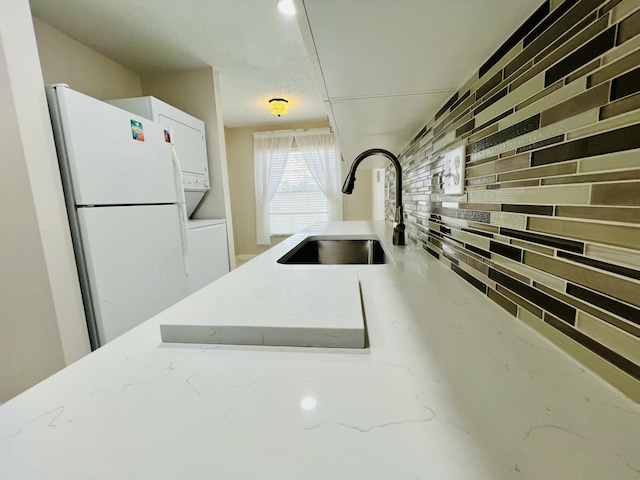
pixel 278 106
pixel 286 6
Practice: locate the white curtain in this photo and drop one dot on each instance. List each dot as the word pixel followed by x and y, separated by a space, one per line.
pixel 270 153
pixel 322 156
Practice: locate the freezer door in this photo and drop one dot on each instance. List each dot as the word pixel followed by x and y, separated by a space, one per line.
pixel 134 262
pixel 208 253
pixel 190 145
pixel 114 157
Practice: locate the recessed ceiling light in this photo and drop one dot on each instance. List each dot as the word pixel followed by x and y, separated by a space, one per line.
pixel 286 6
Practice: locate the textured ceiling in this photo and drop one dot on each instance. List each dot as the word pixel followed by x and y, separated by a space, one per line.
pixel 258 52
pixel 378 68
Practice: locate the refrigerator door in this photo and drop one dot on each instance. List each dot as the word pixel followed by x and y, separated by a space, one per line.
pixel 208 254
pixel 114 157
pixel 134 264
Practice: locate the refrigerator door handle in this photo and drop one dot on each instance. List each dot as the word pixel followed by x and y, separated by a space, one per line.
pixel 182 205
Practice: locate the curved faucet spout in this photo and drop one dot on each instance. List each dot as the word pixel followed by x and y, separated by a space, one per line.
pixel 349 183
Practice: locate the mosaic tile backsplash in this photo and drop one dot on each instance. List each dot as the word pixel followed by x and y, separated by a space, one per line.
pixel 549 224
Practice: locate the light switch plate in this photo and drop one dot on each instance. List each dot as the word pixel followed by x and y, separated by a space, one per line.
pixel 453 174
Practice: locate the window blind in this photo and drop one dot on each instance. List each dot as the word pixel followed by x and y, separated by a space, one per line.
pixel 298 201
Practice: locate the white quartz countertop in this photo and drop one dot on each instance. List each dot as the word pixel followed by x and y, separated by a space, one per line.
pixel 272 306
pixel 450 387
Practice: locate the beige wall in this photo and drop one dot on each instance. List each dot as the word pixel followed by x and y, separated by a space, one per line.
pixel 42 325
pixel 64 60
pixel 359 205
pixel 241 181
pixel 197 92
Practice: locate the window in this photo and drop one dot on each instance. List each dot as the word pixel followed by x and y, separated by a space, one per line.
pixel 298 201
pixel 295 186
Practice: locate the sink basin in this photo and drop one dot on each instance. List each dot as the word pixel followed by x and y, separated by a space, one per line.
pixel 329 250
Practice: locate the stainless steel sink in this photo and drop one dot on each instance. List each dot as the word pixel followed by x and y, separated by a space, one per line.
pixel 328 250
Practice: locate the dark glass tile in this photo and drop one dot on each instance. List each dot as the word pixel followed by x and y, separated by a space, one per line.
pixel 445 230
pixel 432 252
pixel 478 232
pixel 547 22
pixel 531 209
pixel 608 7
pixel 540 39
pixel 625 138
pixel 626 84
pixel 569 34
pixel 520 128
pixel 446 106
pixel 614 306
pixel 477 250
pixel 508 305
pixel 493 99
pixel 541 143
pixel 592 98
pixel 582 55
pixel 460 100
pixel 470 278
pixel 506 251
pixel 560 243
pixel 622 194
pixel 609 355
pixel 518 35
pixel 625 215
pixel 467 127
pixel 554 53
pixel 453 260
pixel 520 301
pixel 561 309
pixel 419 135
pixel 609 267
pixel 583 71
pixel 495 119
pixel 587 307
pixel 437 234
pixel 489 85
pixel 628 28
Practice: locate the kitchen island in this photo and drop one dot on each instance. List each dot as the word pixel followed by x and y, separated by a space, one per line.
pixel 449 386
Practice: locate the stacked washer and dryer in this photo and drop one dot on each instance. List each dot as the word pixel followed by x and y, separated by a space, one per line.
pixel 208 256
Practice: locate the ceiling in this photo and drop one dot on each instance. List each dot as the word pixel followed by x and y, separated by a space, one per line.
pixel 388 66
pixel 258 52
pixel 378 68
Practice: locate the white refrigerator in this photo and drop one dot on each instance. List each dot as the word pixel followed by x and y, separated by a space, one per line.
pixel 127 223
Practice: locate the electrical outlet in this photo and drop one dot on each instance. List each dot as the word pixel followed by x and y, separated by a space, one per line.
pixel 453 174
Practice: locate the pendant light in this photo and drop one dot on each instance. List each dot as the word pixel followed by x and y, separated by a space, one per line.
pixel 278 106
